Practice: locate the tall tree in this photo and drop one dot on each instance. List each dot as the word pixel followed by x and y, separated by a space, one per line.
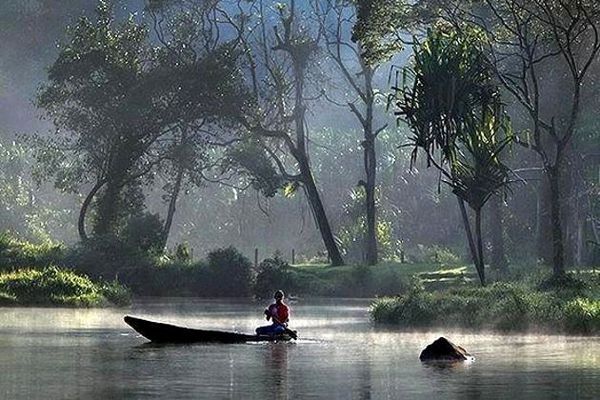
pixel 278 60
pixel 93 92
pixel 456 116
pixel 337 19
pixel 120 106
pixel 527 41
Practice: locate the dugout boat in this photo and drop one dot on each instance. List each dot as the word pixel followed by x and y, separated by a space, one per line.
pixel 159 332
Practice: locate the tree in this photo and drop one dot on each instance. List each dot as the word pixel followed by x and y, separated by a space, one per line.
pixel 455 112
pixel 94 99
pixel 124 108
pixel 277 63
pixel 336 19
pixel 527 42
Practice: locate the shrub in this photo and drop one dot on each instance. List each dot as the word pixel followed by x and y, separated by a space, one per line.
pixel 170 279
pixel 273 273
pixel 52 285
pixel 435 254
pixel 230 273
pixel 106 258
pixel 564 282
pixel 144 232
pixel 583 316
pixel 183 253
pixel 500 306
pixel 16 253
pixel 116 293
pixel 415 309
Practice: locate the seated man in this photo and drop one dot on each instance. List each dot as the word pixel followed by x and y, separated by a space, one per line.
pixel 278 313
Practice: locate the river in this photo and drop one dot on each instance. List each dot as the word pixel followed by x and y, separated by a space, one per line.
pixel 48 353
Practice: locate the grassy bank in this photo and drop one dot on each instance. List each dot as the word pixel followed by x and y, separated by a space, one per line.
pixel 384 279
pixel 569 305
pixel 52 286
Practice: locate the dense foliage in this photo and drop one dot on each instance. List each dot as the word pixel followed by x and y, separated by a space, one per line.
pixel 191 126
pixel 571 305
pixel 59 287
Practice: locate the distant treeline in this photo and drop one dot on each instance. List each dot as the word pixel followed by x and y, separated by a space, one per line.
pixel 316 126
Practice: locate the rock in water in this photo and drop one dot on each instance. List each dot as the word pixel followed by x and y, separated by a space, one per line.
pixel 444 350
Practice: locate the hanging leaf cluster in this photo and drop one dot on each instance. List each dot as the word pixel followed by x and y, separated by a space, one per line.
pixel 453 107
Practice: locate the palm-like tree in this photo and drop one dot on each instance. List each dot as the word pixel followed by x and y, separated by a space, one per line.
pixel 451 103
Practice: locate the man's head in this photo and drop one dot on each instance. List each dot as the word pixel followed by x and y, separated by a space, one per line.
pixel 278 296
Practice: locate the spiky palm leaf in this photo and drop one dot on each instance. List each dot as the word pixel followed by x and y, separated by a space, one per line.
pixel 451 103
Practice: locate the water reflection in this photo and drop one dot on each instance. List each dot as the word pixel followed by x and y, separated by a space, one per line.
pixel 91 354
pixel 276 363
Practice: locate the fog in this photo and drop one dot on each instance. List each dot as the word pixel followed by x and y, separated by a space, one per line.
pixel 416 211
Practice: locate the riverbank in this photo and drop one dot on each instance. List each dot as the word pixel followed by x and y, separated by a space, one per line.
pixel 569 305
pixel 53 286
pixel 383 279
pixel 222 273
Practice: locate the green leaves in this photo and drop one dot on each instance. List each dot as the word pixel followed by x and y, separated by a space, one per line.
pixel 250 159
pixel 376 27
pixel 453 107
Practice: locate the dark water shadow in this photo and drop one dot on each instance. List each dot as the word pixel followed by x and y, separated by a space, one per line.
pixel 441 365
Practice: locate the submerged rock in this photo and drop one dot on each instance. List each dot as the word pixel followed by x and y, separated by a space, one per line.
pixel 444 350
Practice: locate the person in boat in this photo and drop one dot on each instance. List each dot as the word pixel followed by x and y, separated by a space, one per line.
pixel 278 313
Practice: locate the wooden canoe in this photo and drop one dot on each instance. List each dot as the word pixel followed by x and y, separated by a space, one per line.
pixel 159 332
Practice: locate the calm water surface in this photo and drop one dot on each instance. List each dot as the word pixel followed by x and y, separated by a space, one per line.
pixel 92 354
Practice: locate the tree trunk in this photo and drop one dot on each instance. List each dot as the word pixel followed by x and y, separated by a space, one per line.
pixel 470 240
pixel 108 208
pixel 496 229
pixel 84 209
pixel 371 174
pixel 172 207
pixel 370 161
pixel 544 223
pixel 110 203
pixel 558 262
pixel 479 239
pixel 300 153
pixel 321 220
pixel 371 240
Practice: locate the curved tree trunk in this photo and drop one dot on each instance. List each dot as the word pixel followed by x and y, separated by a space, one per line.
pixel 110 203
pixel 172 207
pixel 84 209
pixel 321 219
pixel 108 208
pixel 300 153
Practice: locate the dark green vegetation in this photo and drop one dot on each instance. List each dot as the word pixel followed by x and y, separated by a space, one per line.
pixel 307 128
pixel 570 304
pixel 29 276
pixel 224 272
pixel 58 287
pixel 464 130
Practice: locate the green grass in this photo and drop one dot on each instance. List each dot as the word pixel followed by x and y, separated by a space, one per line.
pixel 15 253
pixel 386 278
pixel 404 270
pixel 568 305
pixel 52 286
